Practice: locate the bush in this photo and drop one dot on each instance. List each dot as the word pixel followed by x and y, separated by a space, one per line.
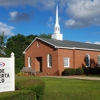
pixel 17 70
pixel 79 71
pixel 26 89
pixel 21 74
pixel 36 86
pixel 69 71
pixel 90 70
pixel 18 95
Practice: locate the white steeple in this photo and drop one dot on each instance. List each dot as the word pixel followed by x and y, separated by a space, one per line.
pixel 57 35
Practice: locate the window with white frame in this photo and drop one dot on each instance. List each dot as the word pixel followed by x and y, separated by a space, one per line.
pixel 66 62
pixel 98 60
pixel 29 61
pixel 87 60
pixel 49 60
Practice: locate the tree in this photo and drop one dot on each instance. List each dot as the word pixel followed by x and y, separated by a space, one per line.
pixel 18 44
pixel 45 35
pixel 2 44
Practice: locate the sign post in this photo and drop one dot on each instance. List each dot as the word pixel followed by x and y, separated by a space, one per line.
pixel 7 74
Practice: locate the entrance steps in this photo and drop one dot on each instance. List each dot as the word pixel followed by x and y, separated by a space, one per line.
pixel 28 70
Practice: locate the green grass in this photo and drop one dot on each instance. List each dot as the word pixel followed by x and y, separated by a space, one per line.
pixel 70 89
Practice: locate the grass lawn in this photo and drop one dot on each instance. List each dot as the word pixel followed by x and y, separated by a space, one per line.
pixel 69 89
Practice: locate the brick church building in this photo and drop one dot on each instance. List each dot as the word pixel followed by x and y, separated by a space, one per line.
pixel 51 56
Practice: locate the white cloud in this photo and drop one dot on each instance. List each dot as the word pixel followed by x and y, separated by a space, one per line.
pixel 93 43
pixel 87 42
pixel 83 13
pixel 50 22
pixel 41 4
pixel 50 19
pixel 6 29
pixel 19 16
pixel 97 42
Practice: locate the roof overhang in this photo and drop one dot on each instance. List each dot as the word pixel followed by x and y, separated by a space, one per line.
pixel 34 41
pixel 73 48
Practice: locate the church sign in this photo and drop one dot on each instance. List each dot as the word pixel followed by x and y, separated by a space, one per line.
pixel 7 74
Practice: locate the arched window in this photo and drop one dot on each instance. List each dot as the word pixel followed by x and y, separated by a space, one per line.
pixel 87 60
pixel 49 60
pixel 29 61
pixel 98 60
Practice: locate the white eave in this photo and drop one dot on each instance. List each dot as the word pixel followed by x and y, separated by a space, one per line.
pixel 74 48
pixel 34 41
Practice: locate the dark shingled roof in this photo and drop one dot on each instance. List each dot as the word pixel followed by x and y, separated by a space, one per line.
pixel 67 44
pixel 70 44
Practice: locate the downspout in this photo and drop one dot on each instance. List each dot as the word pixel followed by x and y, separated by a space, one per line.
pixel 73 57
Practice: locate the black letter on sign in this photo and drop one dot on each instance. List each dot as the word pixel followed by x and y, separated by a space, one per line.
pixel 2 80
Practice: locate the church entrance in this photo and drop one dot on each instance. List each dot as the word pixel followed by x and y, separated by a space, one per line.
pixel 38 64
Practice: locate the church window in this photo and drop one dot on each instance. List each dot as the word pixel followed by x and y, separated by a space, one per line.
pixel 49 60
pixel 87 60
pixel 38 45
pixel 66 62
pixel 98 60
pixel 29 61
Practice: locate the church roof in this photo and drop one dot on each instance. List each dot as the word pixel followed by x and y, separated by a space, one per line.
pixel 67 44
pixel 71 44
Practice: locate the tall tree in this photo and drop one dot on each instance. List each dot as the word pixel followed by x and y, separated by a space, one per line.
pixel 18 44
pixel 43 35
pixel 2 44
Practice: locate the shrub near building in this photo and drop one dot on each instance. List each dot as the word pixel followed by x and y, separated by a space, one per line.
pixel 69 71
pixel 79 71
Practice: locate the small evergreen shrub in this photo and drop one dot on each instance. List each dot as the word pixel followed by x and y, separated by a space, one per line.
pixel 36 86
pixel 90 70
pixel 98 70
pixel 18 95
pixel 87 70
pixel 25 89
pixel 20 74
pixel 79 71
pixel 17 70
pixel 69 71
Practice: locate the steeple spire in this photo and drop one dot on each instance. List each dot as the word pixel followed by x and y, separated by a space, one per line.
pixel 57 20
pixel 57 26
pixel 57 35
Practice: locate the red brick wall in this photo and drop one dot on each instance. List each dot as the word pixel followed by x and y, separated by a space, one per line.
pixel 76 58
pixel 64 53
pixel 80 56
pixel 43 51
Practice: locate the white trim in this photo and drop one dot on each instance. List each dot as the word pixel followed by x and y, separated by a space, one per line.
pixel 88 49
pixel 29 46
pixel 48 61
pixel 29 61
pixel 64 47
pixel 98 60
pixel 34 41
pixel 75 48
pixel 58 46
pixel 68 61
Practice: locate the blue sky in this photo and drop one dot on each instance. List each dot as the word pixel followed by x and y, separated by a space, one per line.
pixel 79 19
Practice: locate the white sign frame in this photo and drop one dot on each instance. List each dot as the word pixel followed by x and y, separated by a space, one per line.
pixel 7 73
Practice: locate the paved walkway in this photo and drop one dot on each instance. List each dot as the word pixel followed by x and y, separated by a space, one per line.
pixel 77 77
